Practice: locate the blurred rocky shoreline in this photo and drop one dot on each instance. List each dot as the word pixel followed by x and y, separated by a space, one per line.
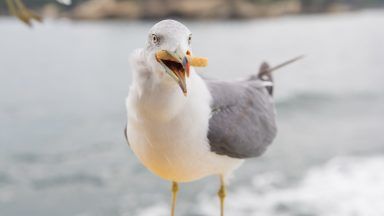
pixel 190 9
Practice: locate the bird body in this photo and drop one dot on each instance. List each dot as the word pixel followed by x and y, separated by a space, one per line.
pixel 169 136
pixel 207 128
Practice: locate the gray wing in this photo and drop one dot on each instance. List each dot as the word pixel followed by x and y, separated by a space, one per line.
pixel 242 122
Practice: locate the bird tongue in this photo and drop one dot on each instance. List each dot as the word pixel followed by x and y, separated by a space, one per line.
pixel 180 73
pixel 179 66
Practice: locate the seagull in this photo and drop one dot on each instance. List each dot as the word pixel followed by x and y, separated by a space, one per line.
pixel 183 127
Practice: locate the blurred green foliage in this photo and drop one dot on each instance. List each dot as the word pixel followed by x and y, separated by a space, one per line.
pixel 23 8
pixel 18 9
pixel 323 5
pixel 36 4
pixel 315 4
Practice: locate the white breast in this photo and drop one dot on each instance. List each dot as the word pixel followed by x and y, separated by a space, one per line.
pixel 168 131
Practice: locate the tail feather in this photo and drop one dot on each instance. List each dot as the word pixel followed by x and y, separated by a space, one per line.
pixel 265 73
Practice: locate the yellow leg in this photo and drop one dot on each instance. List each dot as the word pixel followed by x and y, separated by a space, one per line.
pixel 175 189
pixel 222 193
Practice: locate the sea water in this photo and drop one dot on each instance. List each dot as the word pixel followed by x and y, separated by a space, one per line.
pixel 62 91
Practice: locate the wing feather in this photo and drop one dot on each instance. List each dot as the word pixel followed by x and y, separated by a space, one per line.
pixel 242 122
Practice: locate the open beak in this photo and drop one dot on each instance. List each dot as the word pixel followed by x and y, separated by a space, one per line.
pixel 176 65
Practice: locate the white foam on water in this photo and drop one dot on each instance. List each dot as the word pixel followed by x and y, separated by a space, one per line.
pixel 344 186
pixel 158 210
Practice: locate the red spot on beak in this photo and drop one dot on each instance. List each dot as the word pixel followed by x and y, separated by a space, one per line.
pixel 188 64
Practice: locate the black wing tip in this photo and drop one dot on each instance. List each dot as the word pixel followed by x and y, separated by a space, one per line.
pixel 265 74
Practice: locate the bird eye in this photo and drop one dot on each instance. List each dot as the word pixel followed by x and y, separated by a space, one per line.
pixel 155 39
pixel 189 39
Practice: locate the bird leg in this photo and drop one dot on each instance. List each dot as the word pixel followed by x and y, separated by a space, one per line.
pixel 222 194
pixel 175 189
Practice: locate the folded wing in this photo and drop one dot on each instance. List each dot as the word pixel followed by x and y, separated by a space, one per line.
pixel 242 122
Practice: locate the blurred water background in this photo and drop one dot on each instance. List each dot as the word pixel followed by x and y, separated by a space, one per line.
pixel 62 90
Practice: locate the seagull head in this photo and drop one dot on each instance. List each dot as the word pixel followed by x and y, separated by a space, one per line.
pixel 173 39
